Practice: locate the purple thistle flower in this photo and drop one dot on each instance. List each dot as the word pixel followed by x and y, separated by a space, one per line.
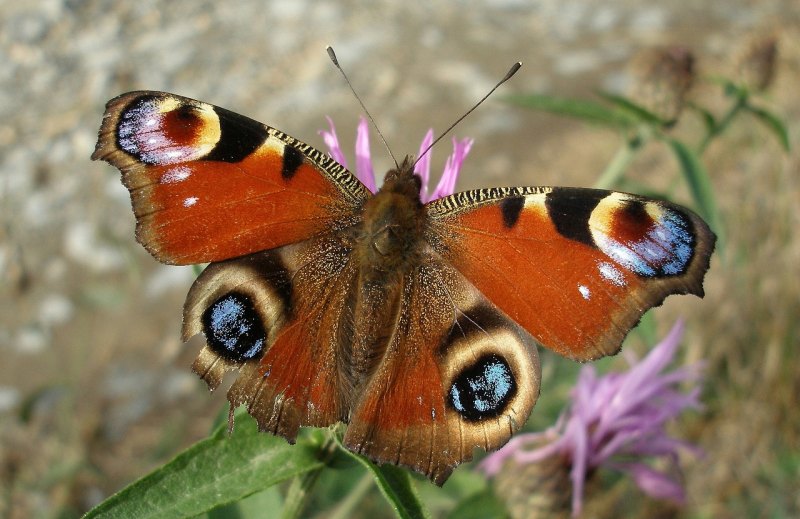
pixel 365 172
pixel 616 421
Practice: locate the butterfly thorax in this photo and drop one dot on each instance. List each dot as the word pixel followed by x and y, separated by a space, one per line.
pixel 392 225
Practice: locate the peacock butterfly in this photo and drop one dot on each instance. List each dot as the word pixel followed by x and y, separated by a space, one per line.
pixel 416 324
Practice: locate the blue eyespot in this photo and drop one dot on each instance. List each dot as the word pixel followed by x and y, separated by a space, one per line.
pixel 233 328
pixel 483 389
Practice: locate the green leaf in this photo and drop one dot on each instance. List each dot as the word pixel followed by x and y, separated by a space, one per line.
pixel 729 86
pixel 396 486
pixel 479 505
pixel 251 506
pixel 589 111
pixel 773 122
pixel 214 472
pixel 637 111
pixel 699 184
pixel 708 118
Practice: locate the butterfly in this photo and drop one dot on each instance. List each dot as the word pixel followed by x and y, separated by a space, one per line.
pixel 416 324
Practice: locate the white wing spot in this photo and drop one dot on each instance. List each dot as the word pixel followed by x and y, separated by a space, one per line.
pixel 611 273
pixel 189 202
pixel 174 175
pixel 585 292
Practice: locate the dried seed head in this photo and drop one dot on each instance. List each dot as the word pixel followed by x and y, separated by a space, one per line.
pixel 536 490
pixel 662 78
pixel 755 62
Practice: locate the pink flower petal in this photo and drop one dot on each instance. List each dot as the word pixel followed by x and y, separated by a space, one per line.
pixel 423 165
pixel 540 453
pixel 618 420
pixel 364 170
pixel 366 174
pixel 452 168
pixel 579 465
pixel 332 142
pixel 655 483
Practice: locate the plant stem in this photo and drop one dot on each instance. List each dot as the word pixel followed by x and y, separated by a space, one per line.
pixel 300 490
pixel 741 102
pixel 345 507
pixel 619 163
pixel 297 496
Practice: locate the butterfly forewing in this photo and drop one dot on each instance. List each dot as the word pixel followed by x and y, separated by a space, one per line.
pixel 575 267
pixel 208 184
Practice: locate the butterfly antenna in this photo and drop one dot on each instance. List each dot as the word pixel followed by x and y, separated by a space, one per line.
pixel 335 61
pixel 513 70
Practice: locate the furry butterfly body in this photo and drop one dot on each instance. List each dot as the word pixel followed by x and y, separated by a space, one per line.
pixel 416 324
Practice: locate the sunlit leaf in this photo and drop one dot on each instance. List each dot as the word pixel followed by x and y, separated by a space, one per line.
pixel 639 112
pixel 396 486
pixel 589 111
pixel 251 506
pixel 214 472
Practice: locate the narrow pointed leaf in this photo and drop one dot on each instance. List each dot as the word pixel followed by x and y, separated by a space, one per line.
pixel 589 111
pixel 708 118
pixel 774 123
pixel 219 470
pixel 699 184
pixel 397 487
pixel 635 110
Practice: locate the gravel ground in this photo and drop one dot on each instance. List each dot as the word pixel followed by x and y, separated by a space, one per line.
pixel 89 322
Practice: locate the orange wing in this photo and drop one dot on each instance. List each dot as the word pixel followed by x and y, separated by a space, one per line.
pixel 279 318
pixel 575 267
pixel 457 374
pixel 208 184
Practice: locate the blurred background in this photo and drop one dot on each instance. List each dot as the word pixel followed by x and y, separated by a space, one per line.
pixel 95 386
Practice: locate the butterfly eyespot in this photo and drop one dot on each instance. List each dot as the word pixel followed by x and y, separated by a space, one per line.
pixel 233 328
pixel 162 131
pixel 646 238
pixel 483 389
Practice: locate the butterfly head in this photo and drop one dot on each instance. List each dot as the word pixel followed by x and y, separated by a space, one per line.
pixel 403 180
pixel 393 220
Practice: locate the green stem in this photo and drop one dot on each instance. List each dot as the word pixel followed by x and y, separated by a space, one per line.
pixel 298 494
pixel 300 490
pixel 722 125
pixel 619 164
pixel 345 508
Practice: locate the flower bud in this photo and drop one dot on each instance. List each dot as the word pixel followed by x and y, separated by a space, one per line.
pixel 755 62
pixel 535 490
pixel 661 79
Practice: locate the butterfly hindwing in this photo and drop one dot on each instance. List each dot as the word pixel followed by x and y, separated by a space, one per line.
pixel 281 318
pixel 575 267
pixel 208 184
pixel 456 374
